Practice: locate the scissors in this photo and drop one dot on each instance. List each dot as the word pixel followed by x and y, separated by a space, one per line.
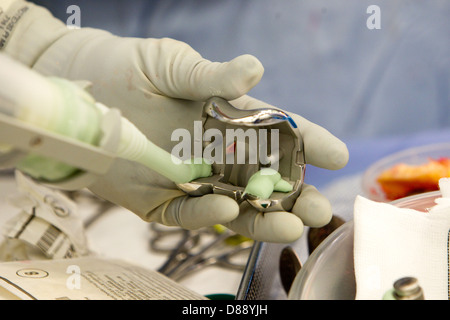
pixel 191 250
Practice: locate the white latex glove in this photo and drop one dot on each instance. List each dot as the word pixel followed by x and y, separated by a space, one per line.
pixel 160 86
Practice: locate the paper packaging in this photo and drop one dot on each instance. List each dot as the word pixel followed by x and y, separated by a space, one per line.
pixel 46 256
pixel 391 243
pixel 47 225
pixel 88 278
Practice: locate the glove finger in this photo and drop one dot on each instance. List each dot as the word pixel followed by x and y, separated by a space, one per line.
pixel 198 212
pixel 322 149
pixel 312 207
pixel 181 72
pixel 277 227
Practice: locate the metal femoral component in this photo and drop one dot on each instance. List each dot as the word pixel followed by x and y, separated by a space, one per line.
pixel 280 146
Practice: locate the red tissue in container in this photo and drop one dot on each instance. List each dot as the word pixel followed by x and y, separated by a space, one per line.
pixel 402 180
pixel 407 172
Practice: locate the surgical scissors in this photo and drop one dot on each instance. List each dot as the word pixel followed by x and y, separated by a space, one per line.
pixel 192 251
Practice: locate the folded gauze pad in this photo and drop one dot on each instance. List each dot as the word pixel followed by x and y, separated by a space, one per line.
pixel 392 243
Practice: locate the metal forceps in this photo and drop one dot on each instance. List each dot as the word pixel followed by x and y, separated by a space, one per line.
pixel 193 253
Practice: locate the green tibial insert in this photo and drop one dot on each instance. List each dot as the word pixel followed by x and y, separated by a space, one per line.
pixel 264 182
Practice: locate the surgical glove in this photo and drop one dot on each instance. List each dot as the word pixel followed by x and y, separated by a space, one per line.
pixel 160 86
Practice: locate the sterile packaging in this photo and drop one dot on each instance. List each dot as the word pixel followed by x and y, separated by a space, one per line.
pixel 88 278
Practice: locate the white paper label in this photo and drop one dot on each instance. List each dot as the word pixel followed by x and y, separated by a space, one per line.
pixel 89 278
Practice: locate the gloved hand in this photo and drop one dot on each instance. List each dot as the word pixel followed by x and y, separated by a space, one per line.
pixel 311 208
pixel 160 86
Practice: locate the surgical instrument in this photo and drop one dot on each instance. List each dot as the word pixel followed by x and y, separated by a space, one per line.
pixel 195 249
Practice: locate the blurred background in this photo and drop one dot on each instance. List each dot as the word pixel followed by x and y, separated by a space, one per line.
pixel 321 60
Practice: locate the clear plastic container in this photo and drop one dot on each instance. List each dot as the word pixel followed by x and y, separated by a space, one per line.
pixel 329 274
pixel 412 156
